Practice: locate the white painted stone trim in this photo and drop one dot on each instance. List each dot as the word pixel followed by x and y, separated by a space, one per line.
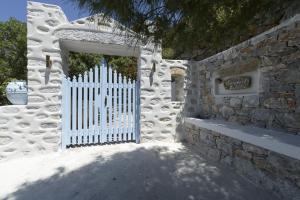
pixel 272 140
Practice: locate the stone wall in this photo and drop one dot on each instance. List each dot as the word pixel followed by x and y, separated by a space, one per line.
pixel 35 127
pixel 275 172
pixel 25 130
pixel 275 103
pixel 160 117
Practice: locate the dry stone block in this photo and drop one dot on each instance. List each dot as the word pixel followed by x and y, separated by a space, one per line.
pixel 51 139
pixel 32 108
pixel 9 150
pixel 55 116
pixel 147 92
pixel 24 125
pixel 166 83
pixel 52 23
pixel 10 110
pixel 251 101
pixel 33 81
pixel 214 154
pixel 165 119
pixel 3 120
pixel 166 132
pixel 36 99
pixel 49 89
pixel 148 124
pixel 155 101
pixel 235 102
pixel 55 81
pixel 254 149
pixel 18 131
pixel 224 146
pixel 143 116
pixel 42 29
pixel 41 116
pixel 4 140
pixel 53 108
pixel 276 103
pixel 146 109
pixel 165 108
pixel 261 162
pixel 227 112
pixel 242 154
pixel 39 132
pixel 261 114
pixel 3 129
pixel 48 125
pixel 292 121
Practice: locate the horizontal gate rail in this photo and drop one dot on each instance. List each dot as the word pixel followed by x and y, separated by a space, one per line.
pixel 100 106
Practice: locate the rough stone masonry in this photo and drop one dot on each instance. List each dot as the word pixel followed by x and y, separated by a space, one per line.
pixel 273 171
pixel 275 104
pixel 275 55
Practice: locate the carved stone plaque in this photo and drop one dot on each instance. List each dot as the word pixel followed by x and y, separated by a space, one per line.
pixel 237 83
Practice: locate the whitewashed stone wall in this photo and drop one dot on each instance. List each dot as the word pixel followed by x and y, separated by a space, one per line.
pixel 160 117
pixel 36 127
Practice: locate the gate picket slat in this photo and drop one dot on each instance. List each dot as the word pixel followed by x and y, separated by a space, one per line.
pixel 80 133
pixel 85 107
pixel 124 109
pixel 103 104
pixel 110 137
pixel 137 116
pixel 91 128
pixel 120 129
pixel 134 110
pixel 74 112
pixel 115 87
pixel 129 110
pixel 96 105
pixel 65 139
pixel 69 107
pixel 100 103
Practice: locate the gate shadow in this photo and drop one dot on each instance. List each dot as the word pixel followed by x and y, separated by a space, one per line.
pixel 144 173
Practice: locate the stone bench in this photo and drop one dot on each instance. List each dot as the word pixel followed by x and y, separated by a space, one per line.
pixel 267 157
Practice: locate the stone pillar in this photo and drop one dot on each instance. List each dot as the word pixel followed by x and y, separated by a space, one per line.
pixel 155 96
pixel 44 83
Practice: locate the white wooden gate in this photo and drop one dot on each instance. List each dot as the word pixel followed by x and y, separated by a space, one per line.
pixel 100 106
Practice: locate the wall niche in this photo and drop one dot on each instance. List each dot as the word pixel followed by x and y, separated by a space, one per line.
pixel 177 83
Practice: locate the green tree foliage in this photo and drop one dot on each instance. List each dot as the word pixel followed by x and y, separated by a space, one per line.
pixel 81 62
pixel 13 50
pixel 196 28
pixel 125 65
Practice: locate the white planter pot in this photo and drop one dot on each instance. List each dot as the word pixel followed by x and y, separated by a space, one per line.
pixel 16 92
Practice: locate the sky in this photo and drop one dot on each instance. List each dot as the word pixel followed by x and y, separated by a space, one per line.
pixel 17 9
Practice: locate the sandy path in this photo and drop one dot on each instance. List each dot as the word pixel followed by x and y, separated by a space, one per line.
pixel 149 171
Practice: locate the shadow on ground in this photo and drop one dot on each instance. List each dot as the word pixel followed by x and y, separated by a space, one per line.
pixel 154 173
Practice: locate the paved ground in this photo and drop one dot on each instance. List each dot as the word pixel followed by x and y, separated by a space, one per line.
pixel 160 171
